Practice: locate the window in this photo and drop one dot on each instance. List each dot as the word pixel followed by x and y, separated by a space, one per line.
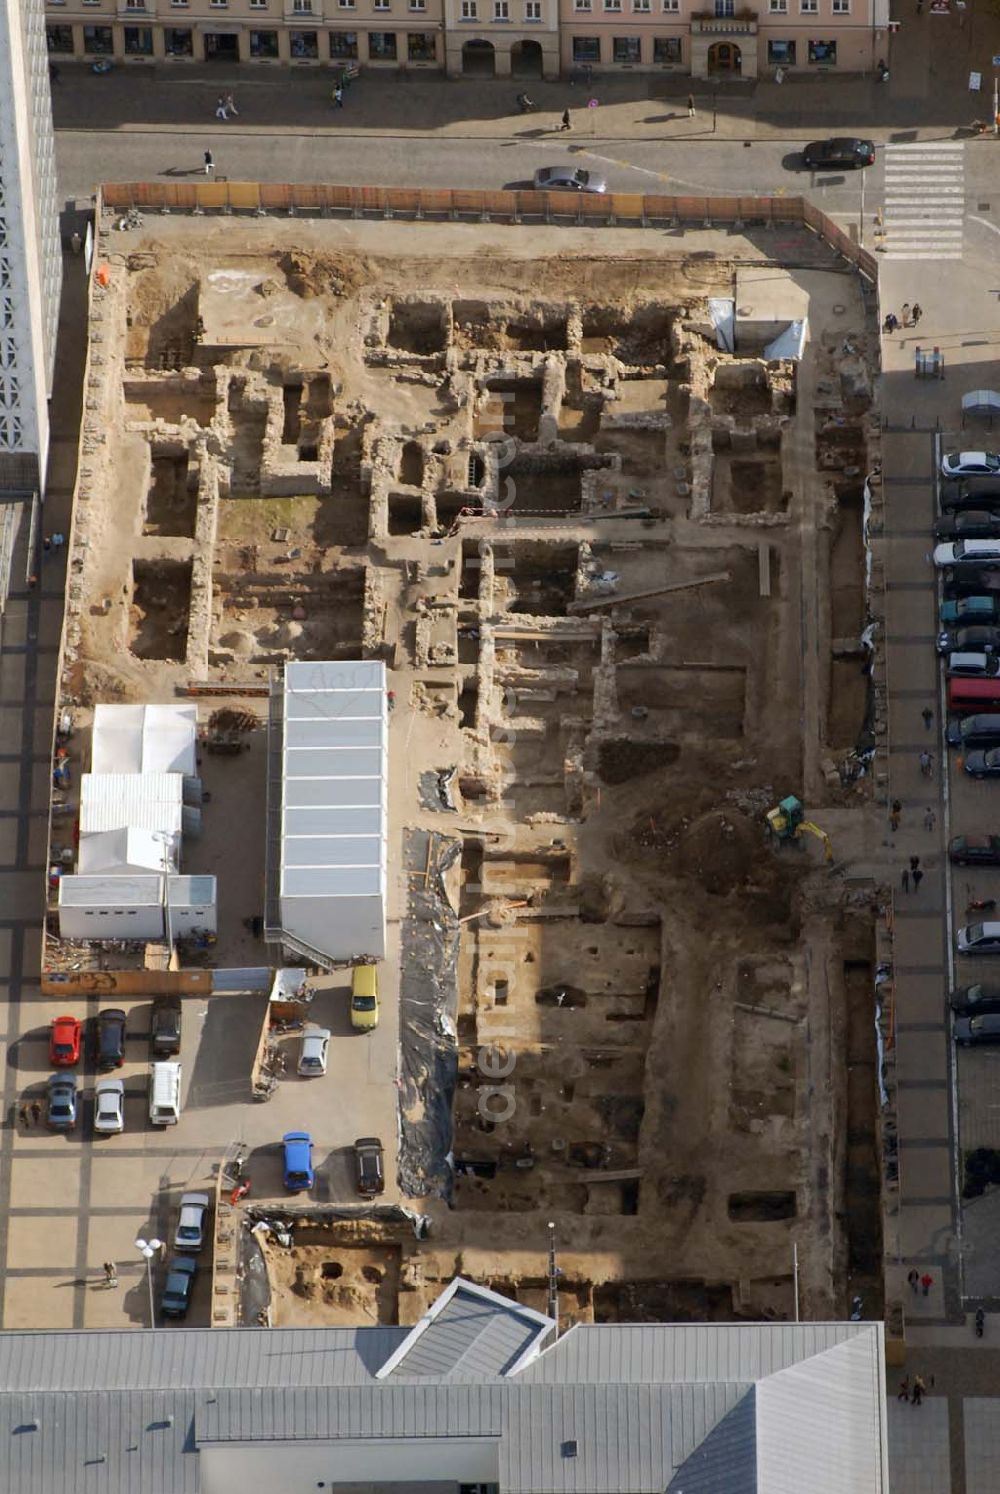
pixel 258 4
pixel 138 41
pixel 586 49
pixel 725 7
pixel 59 39
pixel 135 4
pixel 178 41
pixel 809 7
pixel 581 5
pixel 382 46
pixel 671 7
pixel 470 10
pixel 823 52
pixel 418 5
pixel 532 10
pixel 841 7
pixel 219 4
pixel 501 10
pixel 343 45
pixel 98 41
pixel 777 7
pixel 381 5
pixel 627 49
pixel 667 50
pixel 179 2
pixel 302 7
pixel 346 4
pixel 781 53
pixel 421 46
pixel 263 44
pixel 641 7
pixel 612 4
pixel 303 44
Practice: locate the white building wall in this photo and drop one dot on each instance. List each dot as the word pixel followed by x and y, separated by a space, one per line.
pixel 30 263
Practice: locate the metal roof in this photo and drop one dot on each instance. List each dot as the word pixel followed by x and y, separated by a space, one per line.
pixel 134 801
pixel 469 1332
pixel 110 891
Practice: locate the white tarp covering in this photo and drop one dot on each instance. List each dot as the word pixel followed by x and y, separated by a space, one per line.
pixel 722 312
pixel 122 852
pixel 135 801
pixel 144 739
pixel 333 860
pixel 789 343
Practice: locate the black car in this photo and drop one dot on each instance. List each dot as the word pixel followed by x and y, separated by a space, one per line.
pixel 165 1028
pixel 841 151
pixel 979 764
pixel 370 1176
pixel 969 1000
pixel 179 1285
pixel 975 850
pixel 984 1029
pixel 110 1045
pixel 970 523
pixel 975 731
pixel 973 640
pixel 970 583
pixel 971 492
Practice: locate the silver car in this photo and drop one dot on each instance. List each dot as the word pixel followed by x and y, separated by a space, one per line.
pixel 109 1107
pixel 190 1233
pixel 62 1094
pixel 566 179
pixel 312 1059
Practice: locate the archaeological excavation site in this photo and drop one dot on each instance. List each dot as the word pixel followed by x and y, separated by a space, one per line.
pixel 601 514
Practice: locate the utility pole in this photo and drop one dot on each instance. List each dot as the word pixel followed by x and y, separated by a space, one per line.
pixel 553 1278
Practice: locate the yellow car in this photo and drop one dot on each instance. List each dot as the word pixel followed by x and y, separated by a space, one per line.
pixel 364 997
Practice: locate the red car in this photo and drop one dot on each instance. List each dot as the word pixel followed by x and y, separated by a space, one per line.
pixel 64 1042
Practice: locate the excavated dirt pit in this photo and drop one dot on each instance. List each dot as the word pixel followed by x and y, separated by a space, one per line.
pixel 172 500
pixel 158 616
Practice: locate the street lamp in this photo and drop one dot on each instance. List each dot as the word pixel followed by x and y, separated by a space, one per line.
pixel 149 1248
pixel 166 840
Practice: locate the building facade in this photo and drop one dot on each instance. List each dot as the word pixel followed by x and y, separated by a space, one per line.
pixel 30 256
pixel 339 34
pixel 503 38
pixel 725 41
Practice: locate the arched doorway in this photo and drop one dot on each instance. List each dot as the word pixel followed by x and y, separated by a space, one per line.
pixel 526 59
pixel 724 57
pixel 479 58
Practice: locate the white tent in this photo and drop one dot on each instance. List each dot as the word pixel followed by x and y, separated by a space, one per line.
pixel 124 853
pixel 144 739
pixel 140 801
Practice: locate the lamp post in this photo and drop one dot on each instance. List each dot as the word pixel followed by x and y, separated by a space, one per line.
pixel 147 1249
pixel 165 843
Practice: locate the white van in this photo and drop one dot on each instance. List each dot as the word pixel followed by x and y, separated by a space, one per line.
pixel 165 1094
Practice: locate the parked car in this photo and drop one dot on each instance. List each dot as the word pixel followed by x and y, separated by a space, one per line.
pixel 839 151
pixel 970 523
pixel 983 764
pixel 975 731
pixel 970 464
pixel 178 1287
pixel 975 850
pixel 64 1042
pixel 971 582
pixel 970 492
pixel 970 611
pixel 190 1232
pixel 982 1029
pixel 298 1170
pixel 110 1044
pixel 975 999
pixel 165 1028
pixel 967 552
pixel 977 639
pixel 109 1107
pixel 364 998
pixel 312 1058
pixel 568 179
pixel 979 938
pixel 972 665
pixel 61 1110
pixel 369 1171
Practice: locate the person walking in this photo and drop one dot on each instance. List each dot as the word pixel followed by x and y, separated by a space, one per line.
pixel 926 1282
pixel 691 110
pixel 338 96
pixel 905 879
pixel 906 313
pixel 231 106
pixel 916 313
pixel 913 1281
pixel 914 863
pixel 110 1274
pixel 904 1389
pixel 928 716
pixel 926 764
pixel 929 819
pixel 567 123
pixel 220 108
pixel 894 814
pixel 919 1390
pixel 36 1112
pixel 209 163
pixel 918 877
pixel 24 1116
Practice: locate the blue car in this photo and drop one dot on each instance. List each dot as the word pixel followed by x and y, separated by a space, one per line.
pixel 967 610
pixel 299 1175
pixel 179 1285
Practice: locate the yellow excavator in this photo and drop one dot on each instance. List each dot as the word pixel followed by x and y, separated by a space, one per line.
pixel 787 821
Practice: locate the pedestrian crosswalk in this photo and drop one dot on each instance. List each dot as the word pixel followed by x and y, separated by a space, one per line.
pixel 924 201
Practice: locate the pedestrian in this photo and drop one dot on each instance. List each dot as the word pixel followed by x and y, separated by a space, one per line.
pixel 567 123
pixel 913 1279
pixel 209 163
pixel 110 1274
pixel 918 877
pixel 338 96
pixel 220 108
pixel 920 7
pixel 231 106
pixel 929 818
pixel 23 1116
pixel 58 540
pixel 904 1389
pixel 905 879
pixel 914 863
pixel 928 716
pixel 916 313
pixel 926 764
pixel 919 1389
pixel 46 545
pixel 690 106
pixel 36 1112
pixel 926 1282
pixel 906 313
pixel 894 814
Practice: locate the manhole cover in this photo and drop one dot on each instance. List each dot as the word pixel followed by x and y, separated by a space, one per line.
pixel 982 207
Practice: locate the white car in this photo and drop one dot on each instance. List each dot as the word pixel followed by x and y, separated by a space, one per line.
pixel 979 938
pixel 968 552
pixel 312 1059
pixel 109 1107
pixel 190 1233
pixel 970 464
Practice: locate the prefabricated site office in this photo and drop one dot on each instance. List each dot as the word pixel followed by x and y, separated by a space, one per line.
pixel 327 796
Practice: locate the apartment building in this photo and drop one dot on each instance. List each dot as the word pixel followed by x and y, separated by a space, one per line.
pixel 311 33
pixel 723 40
pixel 502 38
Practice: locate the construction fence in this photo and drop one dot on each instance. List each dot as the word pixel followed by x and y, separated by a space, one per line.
pixel 611 209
